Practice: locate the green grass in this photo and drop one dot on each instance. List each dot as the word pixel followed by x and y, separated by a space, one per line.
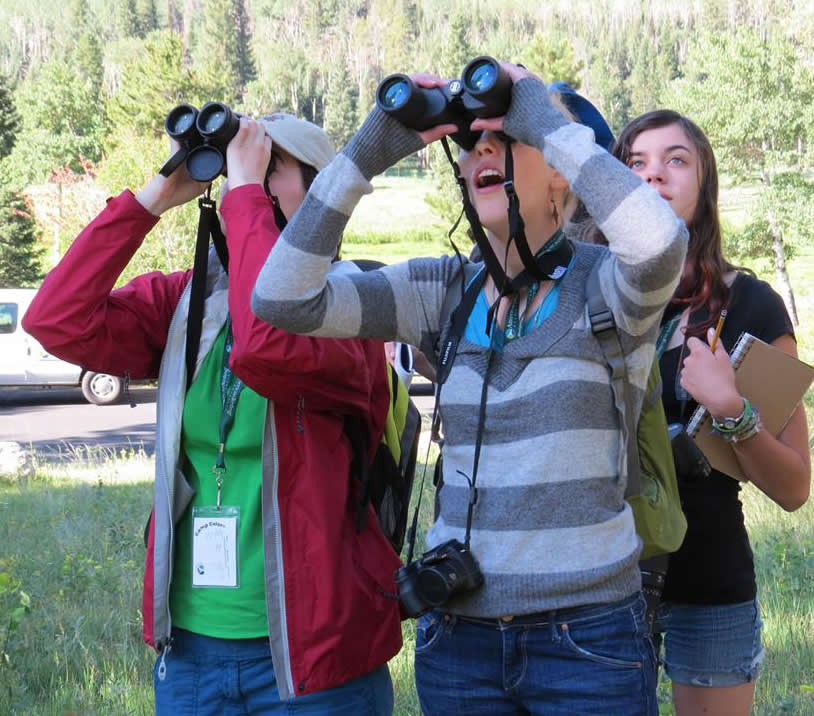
pixel 394 223
pixel 72 541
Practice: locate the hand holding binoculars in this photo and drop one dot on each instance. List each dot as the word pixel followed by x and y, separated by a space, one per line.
pixel 203 136
pixel 484 90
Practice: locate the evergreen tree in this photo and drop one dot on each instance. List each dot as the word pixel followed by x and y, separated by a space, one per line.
pixel 340 107
pixel 552 58
pixel 80 13
pixel 224 51
pixel 10 122
pixel 89 60
pixel 128 20
pixel 151 86
pixel 246 65
pixel 20 251
pixel 147 14
pixel 608 72
pixel 457 51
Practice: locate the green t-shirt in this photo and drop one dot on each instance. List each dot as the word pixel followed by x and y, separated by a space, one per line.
pixel 237 613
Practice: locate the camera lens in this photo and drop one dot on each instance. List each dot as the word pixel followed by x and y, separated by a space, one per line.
pixel 395 93
pixel 481 76
pixel 433 586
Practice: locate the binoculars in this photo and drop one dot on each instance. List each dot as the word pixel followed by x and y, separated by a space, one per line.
pixel 484 90
pixel 203 136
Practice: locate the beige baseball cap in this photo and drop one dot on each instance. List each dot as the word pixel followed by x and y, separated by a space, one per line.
pixel 301 139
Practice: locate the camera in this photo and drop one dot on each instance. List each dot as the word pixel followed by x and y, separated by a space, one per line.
pixel 484 90
pixel 435 577
pixel 691 463
pixel 203 136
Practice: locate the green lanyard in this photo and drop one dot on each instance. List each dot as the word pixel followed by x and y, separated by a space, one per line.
pixel 230 389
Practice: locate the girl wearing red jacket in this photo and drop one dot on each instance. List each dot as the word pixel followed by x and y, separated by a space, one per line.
pixel 258 588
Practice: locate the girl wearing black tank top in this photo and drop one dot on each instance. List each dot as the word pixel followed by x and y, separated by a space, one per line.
pixel 709 614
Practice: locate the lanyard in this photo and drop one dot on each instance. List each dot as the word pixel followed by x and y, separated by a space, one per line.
pixel 666 334
pixel 230 389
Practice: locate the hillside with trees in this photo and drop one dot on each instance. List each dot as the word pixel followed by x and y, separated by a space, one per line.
pixel 92 81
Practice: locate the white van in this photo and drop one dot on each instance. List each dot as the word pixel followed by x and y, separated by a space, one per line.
pixel 24 362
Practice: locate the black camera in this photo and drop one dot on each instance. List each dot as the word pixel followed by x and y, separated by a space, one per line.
pixel 437 576
pixel 203 136
pixel 690 462
pixel 484 90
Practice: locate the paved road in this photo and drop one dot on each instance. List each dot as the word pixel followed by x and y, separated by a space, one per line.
pixel 57 422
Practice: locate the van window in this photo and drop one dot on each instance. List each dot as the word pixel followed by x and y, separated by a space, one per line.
pixel 8 317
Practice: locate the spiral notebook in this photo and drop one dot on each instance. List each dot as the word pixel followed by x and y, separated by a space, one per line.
pixel 772 380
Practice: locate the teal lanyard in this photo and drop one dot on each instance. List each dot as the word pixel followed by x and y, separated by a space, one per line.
pixel 515 325
pixel 666 334
pixel 230 388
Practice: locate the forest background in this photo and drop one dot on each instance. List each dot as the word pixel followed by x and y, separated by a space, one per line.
pixel 85 86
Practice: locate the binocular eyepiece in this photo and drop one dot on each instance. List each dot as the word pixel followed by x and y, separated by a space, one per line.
pixel 204 136
pixel 484 90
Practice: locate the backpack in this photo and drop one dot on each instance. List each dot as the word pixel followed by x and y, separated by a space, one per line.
pixel 386 482
pixel 652 486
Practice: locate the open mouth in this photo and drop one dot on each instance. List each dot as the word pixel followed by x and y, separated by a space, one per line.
pixel 488 177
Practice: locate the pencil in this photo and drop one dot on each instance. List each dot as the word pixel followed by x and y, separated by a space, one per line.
pixel 718 330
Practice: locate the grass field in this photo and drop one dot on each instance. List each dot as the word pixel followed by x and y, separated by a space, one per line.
pixel 72 542
pixel 71 549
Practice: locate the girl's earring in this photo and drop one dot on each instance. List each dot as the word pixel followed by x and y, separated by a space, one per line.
pixel 554 213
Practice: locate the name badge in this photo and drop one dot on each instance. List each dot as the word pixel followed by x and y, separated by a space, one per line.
pixel 214 546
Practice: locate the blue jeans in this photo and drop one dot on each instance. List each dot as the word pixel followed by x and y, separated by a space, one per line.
pixel 711 645
pixel 595 659
pixel 225 677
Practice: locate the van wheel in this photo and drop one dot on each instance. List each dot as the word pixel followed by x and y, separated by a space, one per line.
pixel 101 388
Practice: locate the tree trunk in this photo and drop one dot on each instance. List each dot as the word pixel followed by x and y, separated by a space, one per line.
pixel 779 253
pixel 781 270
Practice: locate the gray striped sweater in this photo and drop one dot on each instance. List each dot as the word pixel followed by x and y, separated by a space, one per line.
pixel 551 528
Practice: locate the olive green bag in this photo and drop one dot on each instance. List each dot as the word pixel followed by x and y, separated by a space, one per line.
pixel 652 487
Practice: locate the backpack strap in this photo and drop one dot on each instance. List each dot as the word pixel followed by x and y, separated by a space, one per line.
pixel 603 326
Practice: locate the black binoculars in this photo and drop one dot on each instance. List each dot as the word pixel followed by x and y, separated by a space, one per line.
pixel 204 136
pixel 484 90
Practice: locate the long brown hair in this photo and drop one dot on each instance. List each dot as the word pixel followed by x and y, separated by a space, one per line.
pixel 702 281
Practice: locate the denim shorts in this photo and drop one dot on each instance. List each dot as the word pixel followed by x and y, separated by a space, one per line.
pixel 711 645
pixel 595 659
pixel 228 677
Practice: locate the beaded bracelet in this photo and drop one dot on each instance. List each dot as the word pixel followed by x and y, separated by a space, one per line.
pixel 755 428
pixel 737 429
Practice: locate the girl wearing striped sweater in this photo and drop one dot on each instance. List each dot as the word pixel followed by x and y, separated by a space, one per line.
pixel 558 624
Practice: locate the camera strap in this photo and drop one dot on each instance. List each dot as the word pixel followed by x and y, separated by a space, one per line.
pixel 208 226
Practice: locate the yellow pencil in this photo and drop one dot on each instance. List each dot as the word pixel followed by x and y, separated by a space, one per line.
pixel 718 330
